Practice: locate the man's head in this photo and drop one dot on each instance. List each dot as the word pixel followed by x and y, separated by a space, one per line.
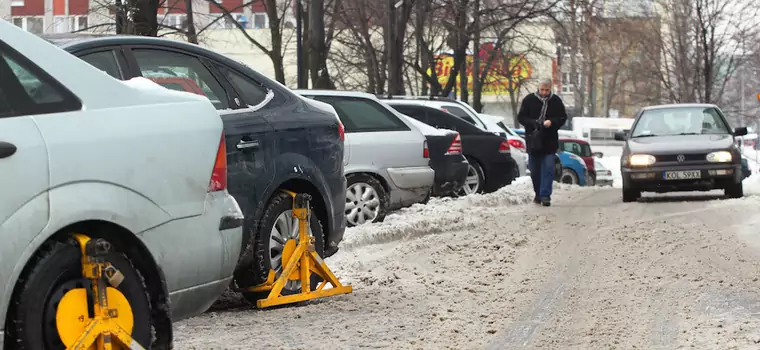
pixel 544 87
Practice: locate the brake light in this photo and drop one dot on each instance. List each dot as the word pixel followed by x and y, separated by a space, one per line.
pixel 219 174
pixel 341 131
pixel 504 147
pixel 456 146
pixel 517 144
pixel 425 151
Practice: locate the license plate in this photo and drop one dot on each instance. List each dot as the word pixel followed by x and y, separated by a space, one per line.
pixel 682 175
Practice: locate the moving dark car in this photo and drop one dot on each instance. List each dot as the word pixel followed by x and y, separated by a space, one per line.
pixel 275 140
pixel 680 147
pixel 490 163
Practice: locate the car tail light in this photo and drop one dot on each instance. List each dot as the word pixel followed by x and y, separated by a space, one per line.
pixel 517 144
pixel 504 147
pixel 425 150
pixel 341 131
pixel 456 146
pixel 219 175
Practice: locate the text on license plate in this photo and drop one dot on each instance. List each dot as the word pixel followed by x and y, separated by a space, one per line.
pixel 682 175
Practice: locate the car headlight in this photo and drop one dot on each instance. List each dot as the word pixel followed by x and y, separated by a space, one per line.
pixel 719 157
pixel 641 160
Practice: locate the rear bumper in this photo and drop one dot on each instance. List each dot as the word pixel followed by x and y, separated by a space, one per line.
pixel 412 177
pixel 712 176
pixel 499 173
pixel 450 175
pixel 198 272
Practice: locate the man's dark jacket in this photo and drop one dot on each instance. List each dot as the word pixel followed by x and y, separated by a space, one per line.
pixel 530 111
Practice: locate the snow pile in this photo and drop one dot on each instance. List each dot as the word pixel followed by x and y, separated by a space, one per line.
pixel 427 129
pixel 145 84
pixel 752 184
pixel 447 214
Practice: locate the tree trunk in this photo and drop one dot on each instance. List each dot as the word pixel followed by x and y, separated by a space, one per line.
pixel 144 18
pixel 477 87
pixel 192 35
pixel 275 53
pixel 320 77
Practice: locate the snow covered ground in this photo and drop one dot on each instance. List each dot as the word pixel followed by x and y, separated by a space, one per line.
pixel 497 272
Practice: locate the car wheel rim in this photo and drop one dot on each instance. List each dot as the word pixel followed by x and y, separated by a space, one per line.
pixel 471 182
pixel 362 204
pixel 52 338
pixel 284 228
pixel 567 178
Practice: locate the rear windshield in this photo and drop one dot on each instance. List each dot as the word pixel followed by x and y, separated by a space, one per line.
pixel 363 115
pixel 579 149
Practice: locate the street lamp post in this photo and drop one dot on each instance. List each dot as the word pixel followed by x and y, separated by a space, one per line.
pixel 299 44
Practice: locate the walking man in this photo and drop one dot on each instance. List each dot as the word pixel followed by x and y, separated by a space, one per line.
pixel 542 113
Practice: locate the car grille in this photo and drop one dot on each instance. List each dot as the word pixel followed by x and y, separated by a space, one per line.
pixel 687 157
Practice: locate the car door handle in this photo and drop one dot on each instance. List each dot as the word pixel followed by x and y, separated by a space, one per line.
pixel 246 144
pixel 7 149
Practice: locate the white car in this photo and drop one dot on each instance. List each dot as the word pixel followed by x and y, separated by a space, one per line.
pixel 385 157
pixel 136 164
pixel 603 175
pixel 516 142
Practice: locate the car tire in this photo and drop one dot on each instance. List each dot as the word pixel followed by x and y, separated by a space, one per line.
pixel 515 173
pixel 372 186
pixel 569 175
pixel 557 169
pixel 735 190
pixel 630 195
pixel 275 214
pixel 474 170
pixel 55 270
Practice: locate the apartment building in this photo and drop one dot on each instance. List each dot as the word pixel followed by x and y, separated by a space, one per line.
pixel 62 16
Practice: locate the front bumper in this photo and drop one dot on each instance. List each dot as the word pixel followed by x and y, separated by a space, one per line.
pixel 711 176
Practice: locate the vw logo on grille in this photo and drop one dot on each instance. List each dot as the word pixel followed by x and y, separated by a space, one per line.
pixel 681 158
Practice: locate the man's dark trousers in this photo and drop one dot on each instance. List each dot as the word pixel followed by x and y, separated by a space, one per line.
pixel 541 167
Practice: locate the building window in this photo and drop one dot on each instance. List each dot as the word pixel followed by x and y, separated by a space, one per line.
pixel 17 3
pixel 229 23
pixel 173 21
pixel 66 24
pixel 260 20
pixel 567 84
pixel 35 25
pixel 78 23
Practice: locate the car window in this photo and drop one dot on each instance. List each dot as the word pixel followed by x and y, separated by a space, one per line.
pixel 444 120
pixel 680 121
pixel 576 148
pixel 24 91
pixel 416 113
pixel 251 92
pixel 363 115
pixel 159 63
pixel 105 61
pixel 461 113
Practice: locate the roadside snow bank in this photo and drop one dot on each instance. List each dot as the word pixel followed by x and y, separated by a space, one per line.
pixel 752 184
pixel 446 214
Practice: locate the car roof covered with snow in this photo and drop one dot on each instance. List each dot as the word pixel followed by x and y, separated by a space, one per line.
pixel 358 94
pixel 679 105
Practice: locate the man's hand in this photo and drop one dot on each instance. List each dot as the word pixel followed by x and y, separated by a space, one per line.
pixel 547 123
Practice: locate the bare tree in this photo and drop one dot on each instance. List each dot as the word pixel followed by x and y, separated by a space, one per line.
pixel 702 43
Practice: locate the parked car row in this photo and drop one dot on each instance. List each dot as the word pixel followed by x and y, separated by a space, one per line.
pixel 358 156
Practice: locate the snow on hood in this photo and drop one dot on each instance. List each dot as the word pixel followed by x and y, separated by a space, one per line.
pixel 427 129
pixel 449 214
pixel 145 84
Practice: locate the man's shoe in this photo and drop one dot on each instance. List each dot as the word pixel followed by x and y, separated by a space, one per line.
pixel 536 200
pixel 546 202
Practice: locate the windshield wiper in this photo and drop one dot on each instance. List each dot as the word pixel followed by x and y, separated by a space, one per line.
pixel 690 133
pixel 644 135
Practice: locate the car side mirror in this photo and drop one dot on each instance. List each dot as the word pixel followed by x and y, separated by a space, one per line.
pixel 598 154
pixel 741 131
pixel 620 135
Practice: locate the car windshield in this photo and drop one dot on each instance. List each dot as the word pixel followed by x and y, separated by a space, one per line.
pixel 680 121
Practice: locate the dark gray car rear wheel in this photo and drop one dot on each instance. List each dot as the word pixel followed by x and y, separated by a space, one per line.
pixel 735 190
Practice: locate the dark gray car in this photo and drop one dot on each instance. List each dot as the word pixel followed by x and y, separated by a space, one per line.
pixel 680 147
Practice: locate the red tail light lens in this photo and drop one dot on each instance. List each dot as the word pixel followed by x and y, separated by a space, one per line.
pixel 456 146
pixel 341 131
pixel 219 175
pixel 517 144
pixel 504 147
pixel 425 151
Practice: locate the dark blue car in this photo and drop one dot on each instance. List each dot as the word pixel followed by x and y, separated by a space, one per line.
pixel 275 141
